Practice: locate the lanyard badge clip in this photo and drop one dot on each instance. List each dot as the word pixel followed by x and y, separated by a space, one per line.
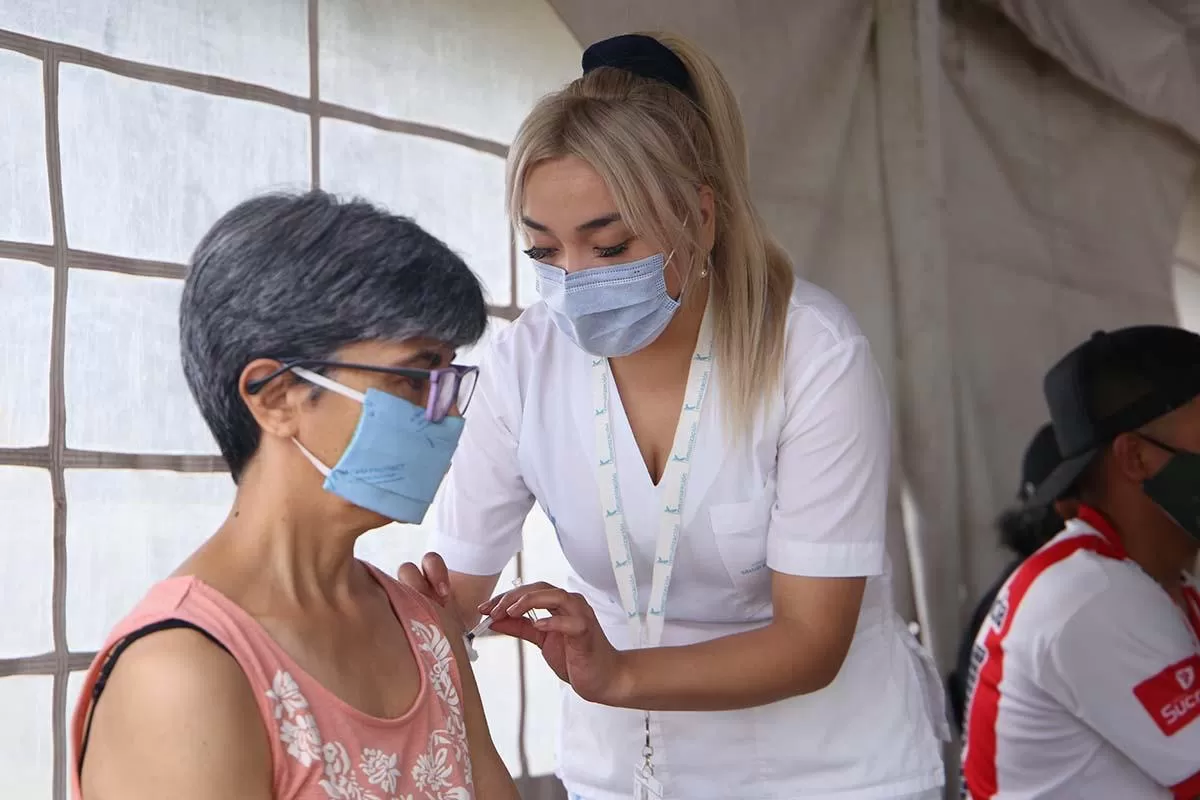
pixel 645 785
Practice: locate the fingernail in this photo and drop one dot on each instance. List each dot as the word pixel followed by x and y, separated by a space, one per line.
pixel 443 589
pixel 483 606
pixel 510 609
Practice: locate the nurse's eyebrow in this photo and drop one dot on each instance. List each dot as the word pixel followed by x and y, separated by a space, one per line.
pixel 599 222
pixel 591 225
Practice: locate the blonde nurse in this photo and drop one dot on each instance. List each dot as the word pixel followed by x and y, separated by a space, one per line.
pixel 710 437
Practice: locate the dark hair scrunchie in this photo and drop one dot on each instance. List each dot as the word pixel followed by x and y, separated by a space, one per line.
pixel 642 55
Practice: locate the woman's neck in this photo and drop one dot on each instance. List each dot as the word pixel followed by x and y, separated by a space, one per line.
pixel 293 545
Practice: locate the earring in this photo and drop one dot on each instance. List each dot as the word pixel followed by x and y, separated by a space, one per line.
pixel 704 270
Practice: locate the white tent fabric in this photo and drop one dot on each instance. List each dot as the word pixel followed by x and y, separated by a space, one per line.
pixel 1062 213
pixel 1143 53
pixel 125 130
pixel 983 183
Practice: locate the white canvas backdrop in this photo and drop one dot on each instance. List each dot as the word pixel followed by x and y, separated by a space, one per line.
pixel 125 130
pixel 979 199
pixel 1063 208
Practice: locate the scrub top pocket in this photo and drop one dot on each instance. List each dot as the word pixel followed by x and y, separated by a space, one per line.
pixel 740 530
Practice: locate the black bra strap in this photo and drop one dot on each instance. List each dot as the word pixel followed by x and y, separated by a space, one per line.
pixel 111 661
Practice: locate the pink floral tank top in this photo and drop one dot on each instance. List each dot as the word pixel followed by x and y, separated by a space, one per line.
pixel 321 748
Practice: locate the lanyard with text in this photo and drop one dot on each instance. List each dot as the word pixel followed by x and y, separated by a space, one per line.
pixel 648 632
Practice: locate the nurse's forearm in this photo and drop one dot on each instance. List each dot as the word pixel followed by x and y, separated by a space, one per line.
pixel 468 592
pixel 740 671
pixel 800 651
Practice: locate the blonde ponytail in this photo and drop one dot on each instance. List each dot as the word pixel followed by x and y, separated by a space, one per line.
pixel 752 276
pixel 654 146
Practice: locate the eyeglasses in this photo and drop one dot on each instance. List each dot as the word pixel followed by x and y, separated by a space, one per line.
pixel 445 388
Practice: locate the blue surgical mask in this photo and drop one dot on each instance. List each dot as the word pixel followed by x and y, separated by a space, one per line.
pixel 609 311
pixel 396 459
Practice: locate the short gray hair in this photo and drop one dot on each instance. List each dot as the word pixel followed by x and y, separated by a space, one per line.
pixel 301 276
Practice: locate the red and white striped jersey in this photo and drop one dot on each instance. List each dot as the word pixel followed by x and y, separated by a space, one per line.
pixel 1085 679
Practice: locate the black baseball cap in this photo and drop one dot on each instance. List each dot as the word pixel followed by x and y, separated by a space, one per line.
pixel 1040 460
pixel 1115 382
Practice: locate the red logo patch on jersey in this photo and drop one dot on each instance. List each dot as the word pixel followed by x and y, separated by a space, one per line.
pixel 1172 697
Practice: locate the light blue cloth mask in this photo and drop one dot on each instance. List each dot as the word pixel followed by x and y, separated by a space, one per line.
pixel 396 459
pixel 609 311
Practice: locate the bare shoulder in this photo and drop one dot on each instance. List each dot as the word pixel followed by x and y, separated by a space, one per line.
pixel 177 719
pixel 446 618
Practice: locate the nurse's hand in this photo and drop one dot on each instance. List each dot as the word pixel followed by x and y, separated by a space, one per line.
pixel 570 639
pixel 456 592
pixel 431 579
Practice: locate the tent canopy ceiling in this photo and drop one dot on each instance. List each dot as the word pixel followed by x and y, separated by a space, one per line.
pixel 1142 53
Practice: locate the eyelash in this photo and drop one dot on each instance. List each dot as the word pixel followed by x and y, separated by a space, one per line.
pixel 542 253
pixel 612 252
pixel 539 253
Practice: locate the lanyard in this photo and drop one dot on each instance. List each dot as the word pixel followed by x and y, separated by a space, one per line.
pixel 648 632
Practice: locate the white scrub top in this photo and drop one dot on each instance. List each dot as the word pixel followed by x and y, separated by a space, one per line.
pixel 1085 679
pixel 806 494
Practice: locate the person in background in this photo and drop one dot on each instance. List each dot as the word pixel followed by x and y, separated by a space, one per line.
pixel 1024 527
pixel 1085 678
pixel 710 437
pixel 318 338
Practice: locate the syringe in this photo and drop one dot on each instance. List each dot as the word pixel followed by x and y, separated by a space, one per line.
pixel 485 624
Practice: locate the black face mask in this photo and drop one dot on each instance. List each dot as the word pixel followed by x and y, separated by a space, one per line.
pixel 1176 487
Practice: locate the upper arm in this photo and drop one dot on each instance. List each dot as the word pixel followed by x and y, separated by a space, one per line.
pixel 484 501
pixel 827 531
pixel 491 777
pixel 829 519
pixel 469 591
pixel 823 613
pixel 1134 678
pixel 177 719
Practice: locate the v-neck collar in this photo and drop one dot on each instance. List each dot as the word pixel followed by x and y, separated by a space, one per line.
pixel 705 467
pixel 624 433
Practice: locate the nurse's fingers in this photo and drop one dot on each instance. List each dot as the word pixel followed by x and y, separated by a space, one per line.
pixel 502 601
pixel 521 628
pixel 436 573
pixel 566 625
pixel 431 579
pixel 411 575
pixel 487 606
pixel 556 601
